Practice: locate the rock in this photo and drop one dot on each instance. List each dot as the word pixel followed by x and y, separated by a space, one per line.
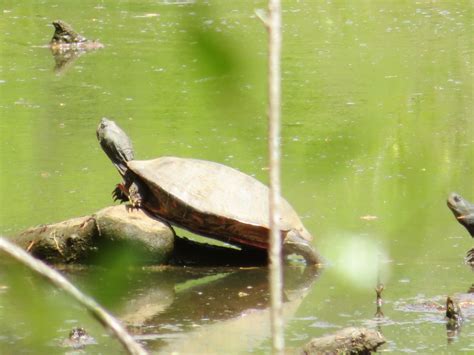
pixel 136 227
pixel 83 239
pixel 347 341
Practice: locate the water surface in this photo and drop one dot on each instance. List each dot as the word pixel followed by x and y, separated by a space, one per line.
pixel 377 130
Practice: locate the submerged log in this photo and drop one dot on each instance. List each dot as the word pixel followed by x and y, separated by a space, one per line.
pixel 348 341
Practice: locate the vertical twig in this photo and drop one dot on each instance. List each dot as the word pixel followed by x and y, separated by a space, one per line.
pixel 274 103
pixel 60 281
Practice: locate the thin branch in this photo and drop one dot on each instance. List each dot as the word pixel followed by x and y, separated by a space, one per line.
pixel 262 16
pixel 274 104
pixel 61 282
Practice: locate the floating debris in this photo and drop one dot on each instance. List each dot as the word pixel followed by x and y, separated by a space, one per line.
pixel 368 217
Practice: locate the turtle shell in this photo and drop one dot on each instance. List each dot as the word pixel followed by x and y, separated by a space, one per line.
pixel 212 199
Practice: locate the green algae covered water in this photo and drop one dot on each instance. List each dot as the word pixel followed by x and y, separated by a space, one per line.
pixel 377 130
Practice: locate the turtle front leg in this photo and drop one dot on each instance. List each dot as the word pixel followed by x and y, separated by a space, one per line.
pixel 135 195
pixel 295 244
pixel 132 193
pixel 120 193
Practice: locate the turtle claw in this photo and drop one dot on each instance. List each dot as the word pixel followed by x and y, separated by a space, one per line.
pixel 136 202
pixel 119 194
pixel 470 257
pixel 122 194
pixel 133 205
pixel 134 195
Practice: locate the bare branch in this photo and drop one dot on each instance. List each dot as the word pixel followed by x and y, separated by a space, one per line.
pixel 61 282
pixel 262 16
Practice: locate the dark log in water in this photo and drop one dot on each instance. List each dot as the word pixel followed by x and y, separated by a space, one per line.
pixel 348 341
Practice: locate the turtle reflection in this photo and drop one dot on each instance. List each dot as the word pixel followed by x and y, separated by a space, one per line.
pixel 207 301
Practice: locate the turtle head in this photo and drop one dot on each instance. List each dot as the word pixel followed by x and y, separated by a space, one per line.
pixel 294 243
pixel 115 143
pixel 463 210
pixel 60 25
pixel 63 33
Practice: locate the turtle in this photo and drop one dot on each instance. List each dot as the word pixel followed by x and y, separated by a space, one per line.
pixel 78 339
pixel 463 210
pixel 204 197
pixel 66 39
pixel 455 308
